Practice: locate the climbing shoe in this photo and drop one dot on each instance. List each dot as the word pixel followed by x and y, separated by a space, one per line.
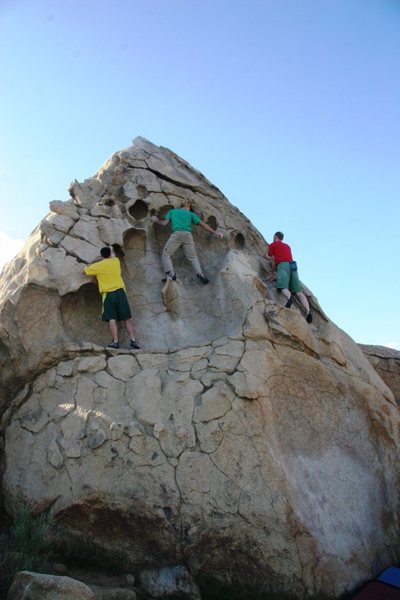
pixel 202 278
pixel 289 302
pixel 172 277
pixel 113 345
pixel 309 317
pixel 134 345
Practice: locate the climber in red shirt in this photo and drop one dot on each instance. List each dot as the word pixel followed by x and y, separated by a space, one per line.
pixel 287 275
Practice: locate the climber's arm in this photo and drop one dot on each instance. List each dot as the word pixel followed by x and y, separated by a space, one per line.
pixel 210 229
pixel 156 219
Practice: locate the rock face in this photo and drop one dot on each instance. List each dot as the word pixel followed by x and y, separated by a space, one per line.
pixel 386 363
pixel 168 582
pixel 36 586
pixel 241 442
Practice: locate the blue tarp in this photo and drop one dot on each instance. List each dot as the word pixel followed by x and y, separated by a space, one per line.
pixel 390 576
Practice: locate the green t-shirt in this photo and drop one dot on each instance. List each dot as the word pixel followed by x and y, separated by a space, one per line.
pixel 182 219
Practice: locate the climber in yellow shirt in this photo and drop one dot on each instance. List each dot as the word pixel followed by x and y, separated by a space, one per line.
pixel 113 292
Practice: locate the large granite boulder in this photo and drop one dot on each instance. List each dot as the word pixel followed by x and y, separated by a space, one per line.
pixel 241 442
pixel 386 362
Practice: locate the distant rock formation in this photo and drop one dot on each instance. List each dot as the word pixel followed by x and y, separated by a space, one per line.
pixel 240 442
pixel 386 363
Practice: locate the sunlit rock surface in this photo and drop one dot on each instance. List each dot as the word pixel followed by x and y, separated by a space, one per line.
pixel 240 441
pixel 386 363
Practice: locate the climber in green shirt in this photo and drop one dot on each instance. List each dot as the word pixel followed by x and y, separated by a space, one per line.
pixel 181 220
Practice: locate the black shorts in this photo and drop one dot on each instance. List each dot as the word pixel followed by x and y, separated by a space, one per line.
pixel 116 306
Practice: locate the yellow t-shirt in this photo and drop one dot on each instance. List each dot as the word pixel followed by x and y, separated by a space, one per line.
pixel 108 274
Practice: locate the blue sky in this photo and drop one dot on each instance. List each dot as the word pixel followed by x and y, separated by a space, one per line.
pixel 290 107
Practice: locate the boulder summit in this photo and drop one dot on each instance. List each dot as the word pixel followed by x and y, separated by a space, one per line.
pixel 240 441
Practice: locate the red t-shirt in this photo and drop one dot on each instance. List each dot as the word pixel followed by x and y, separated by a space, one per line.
pixel 280 251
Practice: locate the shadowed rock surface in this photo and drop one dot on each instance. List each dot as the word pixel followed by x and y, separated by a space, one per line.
pixel 36 586
pixel 241 442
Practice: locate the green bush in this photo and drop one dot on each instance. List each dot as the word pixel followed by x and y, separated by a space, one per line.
pixel 25 544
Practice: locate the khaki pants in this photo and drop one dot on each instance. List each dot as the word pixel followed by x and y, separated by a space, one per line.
pixel 176 239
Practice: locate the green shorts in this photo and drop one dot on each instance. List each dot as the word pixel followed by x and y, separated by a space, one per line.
pixel 286 278
pixel 116 306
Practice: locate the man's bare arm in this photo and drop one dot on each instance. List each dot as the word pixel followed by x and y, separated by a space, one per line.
pixel 156 219
pixel 210 229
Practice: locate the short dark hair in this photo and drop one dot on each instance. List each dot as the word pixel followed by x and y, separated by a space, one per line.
pixel 106 252
pixel 279 235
